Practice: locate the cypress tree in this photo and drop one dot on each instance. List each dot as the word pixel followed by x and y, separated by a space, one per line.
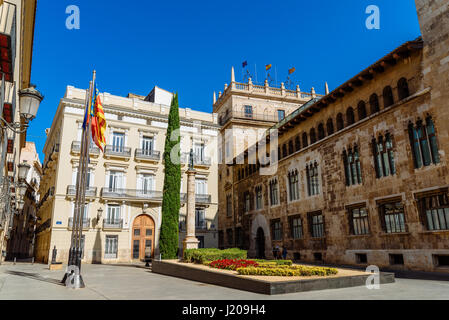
pixel 171 201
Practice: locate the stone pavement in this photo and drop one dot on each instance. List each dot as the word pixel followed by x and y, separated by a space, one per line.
pixel 115 282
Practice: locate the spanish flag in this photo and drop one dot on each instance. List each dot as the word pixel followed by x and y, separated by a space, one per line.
pixel 98 120
pixel 268 67
pixel 290 71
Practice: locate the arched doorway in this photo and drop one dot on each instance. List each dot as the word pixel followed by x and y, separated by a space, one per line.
pixel 142 237
pixel 260 244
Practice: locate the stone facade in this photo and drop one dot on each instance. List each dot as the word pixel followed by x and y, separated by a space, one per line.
pixel 321 221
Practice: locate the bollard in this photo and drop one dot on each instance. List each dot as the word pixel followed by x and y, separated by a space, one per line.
pixel 15 259
pixel 32 260
pixel 53 255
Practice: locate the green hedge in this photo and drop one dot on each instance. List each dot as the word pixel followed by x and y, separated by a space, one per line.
pixel 286 271
pixel 211 254
pixel 273 262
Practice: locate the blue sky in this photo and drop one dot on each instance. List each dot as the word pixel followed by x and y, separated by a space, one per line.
pixel 190 46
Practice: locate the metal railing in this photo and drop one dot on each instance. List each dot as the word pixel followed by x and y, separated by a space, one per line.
pixel 131 194
pixel 112 223
pixel 90 191
pixel 197 160
pixel 118 151
pixel 247 116
pixel 199 198
pixel 76 148
pixel 86 223
pixel 147 154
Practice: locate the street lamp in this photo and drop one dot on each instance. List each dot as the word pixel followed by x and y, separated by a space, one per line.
pixel 30 99
pixel 23 171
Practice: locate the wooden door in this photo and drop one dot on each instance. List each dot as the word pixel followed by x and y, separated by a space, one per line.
pixel 143 237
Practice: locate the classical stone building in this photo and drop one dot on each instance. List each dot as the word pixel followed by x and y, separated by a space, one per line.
pixel 362 173
pixel 124 193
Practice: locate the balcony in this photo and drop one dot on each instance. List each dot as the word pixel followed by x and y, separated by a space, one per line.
pixel 76 148
pixel 147 155
pixel 205 225
pixel 199 198
pixel 117 152
pixel 91 192
pixel 86 224
pixel 132 194
pixel 112 224
pixel 197 160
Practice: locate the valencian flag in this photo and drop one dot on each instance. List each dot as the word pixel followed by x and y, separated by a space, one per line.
pixel 290 71
pixel 98 120
pixel 244 64
pixel 268 67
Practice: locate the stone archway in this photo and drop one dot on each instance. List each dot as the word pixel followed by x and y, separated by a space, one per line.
pixel 259 226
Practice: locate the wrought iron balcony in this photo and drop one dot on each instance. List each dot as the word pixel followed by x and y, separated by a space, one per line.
pixel 86 223
pixel 201 225
pixel 112 223
pixel 144 154
pixel 197 160
pixel 93 149
pixel 90 191
pixel 203 198
pixel 131 194
pixel 199 198
pixel 117 151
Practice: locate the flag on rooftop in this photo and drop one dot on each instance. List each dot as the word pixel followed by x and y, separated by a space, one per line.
pixel 290 71
pixel 244 64
pixel 268 67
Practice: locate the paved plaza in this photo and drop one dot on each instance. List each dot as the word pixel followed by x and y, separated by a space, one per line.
pixel 116 282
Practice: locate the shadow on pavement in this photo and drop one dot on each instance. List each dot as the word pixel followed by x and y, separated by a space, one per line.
pixel 34 276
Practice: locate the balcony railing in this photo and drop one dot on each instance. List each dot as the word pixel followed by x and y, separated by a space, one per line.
pixel 131 194
pixel 112 224
pixel 199 198
pixel 76 148
pixel 86 223
pixel 203 198
pixel 201 225
pixel 90 191
pixel 197 160
pixel 118 151
pixel 247 116
pixel 144 154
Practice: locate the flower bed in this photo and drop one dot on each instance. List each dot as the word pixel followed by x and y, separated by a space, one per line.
pixel 232 264
pixel 287 271
pixel 258 267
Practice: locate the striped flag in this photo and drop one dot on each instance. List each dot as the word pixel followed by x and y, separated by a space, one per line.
pixel 290 71
pixel 268 67
pixel 98 120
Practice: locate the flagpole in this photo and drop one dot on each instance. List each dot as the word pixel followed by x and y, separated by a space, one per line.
pixel 72 277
